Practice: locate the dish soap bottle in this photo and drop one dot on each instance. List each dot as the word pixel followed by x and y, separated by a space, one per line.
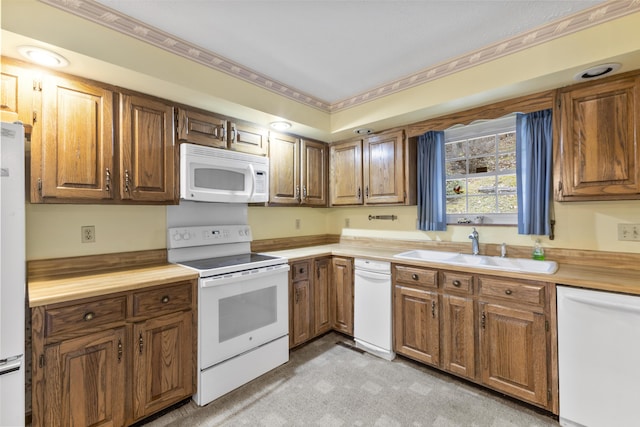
pixel 538 252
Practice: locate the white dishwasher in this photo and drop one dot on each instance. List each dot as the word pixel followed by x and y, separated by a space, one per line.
pixel 372 321
pixel 598 358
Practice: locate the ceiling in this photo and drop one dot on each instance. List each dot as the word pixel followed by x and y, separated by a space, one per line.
pixel 333 50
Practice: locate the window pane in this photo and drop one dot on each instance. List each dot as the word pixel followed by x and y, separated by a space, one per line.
pixel 507 184
pixel 455 149
pixel 507 162
pixel 482 164
pixel 507 203
pixel 456 167
pixel 482 204
pixel 482 146
pixel 483 185
pixel 456 204
pixel 507 142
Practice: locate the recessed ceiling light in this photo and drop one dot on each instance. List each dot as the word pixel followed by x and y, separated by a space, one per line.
pixel 280 125
pixel 43 56
pixel 597 71
pixel 363 131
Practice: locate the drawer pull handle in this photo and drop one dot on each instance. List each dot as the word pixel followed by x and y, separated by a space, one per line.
pixel 89 316
pixel 301 270
pixel 119 350
pixel 457 283
pixel 415 276
pixel 165 299
pixel 508 292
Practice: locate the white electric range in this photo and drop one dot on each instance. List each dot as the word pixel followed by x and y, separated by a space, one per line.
pixel 243 305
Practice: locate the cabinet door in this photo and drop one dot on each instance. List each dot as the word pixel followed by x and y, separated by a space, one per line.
pixel 162 362
pixel 201 128
pixel 76 159
pixel 84 381
pixel 300 312
pixel 342 295
pixel 458 343
pixel 345 164
pixel 600 156
pixel 16 93
pixel 383 168
pixel 513 352
pixel 416 325
pixel 313 172
pixel 248 138
pixel 147 162
pixel 321 296
pixel 284 176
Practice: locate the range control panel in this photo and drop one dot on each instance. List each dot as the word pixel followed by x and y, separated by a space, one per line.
pixel 184 237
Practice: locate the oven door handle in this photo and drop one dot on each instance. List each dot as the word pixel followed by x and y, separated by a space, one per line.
pixel 225 279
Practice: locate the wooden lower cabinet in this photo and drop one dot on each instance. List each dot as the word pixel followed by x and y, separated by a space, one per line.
pixel 494 331
pixel 416 324
pixel 321 295
pixel 113 360
pixel 342 295
pixel 85 380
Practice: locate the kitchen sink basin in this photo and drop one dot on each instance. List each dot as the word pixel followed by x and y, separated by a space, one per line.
pixel 520 265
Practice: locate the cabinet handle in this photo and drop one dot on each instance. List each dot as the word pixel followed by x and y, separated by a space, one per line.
pixel 483 319
pixel 318 272
pixel 4 106
pixel 297 195
pixel 126 181
pixel 304 192
pixel 366 191
pixel 89 316
pixel 234 134
pixel 301 270
pixel 433 309
pixel 414 276
pixel 119 349
pixel 508 292
pixel 165 299
pixel 296 296
pixel 107 180
pixel 359 193
pixel 456 283
pixel 140 343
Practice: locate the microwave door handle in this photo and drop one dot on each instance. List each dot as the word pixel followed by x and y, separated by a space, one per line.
pixel 253 181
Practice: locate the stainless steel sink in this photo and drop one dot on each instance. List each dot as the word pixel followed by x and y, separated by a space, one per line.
pixel 520 265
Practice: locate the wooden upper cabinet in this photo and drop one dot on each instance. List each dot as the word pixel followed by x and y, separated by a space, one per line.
pixel 147 162
pixel 345 170
pixel 377 170
pixel 313 172
pixel 74 159
pixel 297 171
pixel 383 168
pixel 248 138
pixel 597 155
pixel 16 94
pixel 202 128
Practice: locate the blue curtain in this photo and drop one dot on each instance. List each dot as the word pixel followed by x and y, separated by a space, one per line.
pixel 432 211
pixel 534 173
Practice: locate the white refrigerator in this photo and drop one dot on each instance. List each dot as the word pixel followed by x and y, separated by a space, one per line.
pixel 12 275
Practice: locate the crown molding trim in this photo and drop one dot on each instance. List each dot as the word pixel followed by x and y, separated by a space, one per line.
pixel 102 15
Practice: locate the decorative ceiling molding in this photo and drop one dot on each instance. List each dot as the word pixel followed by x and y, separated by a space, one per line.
pixel 102 15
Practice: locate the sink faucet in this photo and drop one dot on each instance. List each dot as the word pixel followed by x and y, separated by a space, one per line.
pixel 474 242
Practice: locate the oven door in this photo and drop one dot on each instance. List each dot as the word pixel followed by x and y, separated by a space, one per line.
pixel 241 311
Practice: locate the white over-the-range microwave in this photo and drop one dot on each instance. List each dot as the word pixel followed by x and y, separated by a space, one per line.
pixel 217 175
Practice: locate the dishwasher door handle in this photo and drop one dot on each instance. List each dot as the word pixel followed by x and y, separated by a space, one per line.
pixel 380 277
pixel 605 304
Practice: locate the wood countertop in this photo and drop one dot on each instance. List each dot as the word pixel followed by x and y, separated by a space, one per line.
pixel 597 278
pixel 77 286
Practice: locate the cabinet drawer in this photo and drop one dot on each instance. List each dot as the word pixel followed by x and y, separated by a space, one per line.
pixel 83 316
pixel 522 292
pixel 416 276
pixel 158 301
pixel 453 281
pixel 300 271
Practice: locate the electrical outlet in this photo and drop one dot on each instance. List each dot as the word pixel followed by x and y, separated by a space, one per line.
pixel 347 223
pixel 629 232
pixel 88 233
pixel 297 224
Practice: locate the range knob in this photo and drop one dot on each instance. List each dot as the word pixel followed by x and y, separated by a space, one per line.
pixel 186 235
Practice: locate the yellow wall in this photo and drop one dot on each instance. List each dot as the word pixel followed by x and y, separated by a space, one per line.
pixel 53 231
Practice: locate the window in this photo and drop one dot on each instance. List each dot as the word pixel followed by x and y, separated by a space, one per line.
pixel 480 164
